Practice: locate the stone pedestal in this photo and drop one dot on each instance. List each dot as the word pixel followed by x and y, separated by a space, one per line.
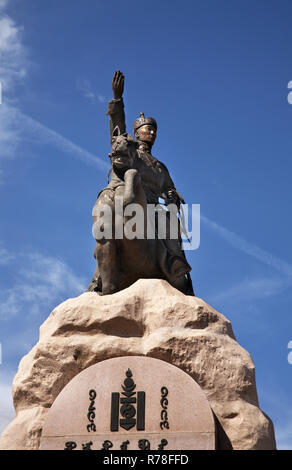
pixel 150 319
pixel 130 403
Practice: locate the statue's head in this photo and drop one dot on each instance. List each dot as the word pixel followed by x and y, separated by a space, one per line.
pixel 123 150
pixel 145 129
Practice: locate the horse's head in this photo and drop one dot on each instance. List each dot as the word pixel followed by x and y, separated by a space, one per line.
pixel 123 150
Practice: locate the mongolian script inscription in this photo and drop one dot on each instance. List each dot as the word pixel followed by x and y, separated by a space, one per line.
pixel 143 444
pixel 130 403
pixel 164 403
pixel 91 410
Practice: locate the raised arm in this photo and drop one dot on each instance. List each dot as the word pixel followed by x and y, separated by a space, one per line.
pixel 116 105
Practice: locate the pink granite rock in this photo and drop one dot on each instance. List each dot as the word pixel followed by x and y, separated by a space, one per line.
pixel 163 405
pixel 150 318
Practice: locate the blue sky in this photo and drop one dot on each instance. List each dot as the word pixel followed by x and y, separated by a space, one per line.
pixel 215 76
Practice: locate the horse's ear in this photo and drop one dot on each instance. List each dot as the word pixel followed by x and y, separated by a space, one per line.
pixel 116 131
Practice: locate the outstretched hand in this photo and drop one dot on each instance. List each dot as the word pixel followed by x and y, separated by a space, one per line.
pixel 118 85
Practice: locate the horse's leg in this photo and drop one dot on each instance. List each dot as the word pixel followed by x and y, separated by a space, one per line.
pixel 131 178
pixel 134 193
pixel 108 263
pixel 106 246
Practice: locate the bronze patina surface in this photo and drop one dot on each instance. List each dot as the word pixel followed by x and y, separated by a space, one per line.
pixel 138 177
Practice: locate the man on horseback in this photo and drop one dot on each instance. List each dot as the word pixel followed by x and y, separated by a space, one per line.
pixel 156 183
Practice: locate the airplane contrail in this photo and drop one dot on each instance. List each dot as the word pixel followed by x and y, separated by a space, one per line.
pixel 248 248
pixel 47 135
pixel 54 138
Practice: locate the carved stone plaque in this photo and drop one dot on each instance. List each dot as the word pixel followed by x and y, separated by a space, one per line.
pixel 130 403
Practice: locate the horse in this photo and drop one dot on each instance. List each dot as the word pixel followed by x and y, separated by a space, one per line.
pixel 123 259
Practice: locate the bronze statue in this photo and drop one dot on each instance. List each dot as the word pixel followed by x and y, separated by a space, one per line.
pixel 137 177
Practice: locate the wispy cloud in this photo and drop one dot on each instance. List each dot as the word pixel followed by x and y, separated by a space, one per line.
pixel 3 4
pixel 6 404
pixel 13 69
pixel 284 432
pixel 13 54
pixel 87 90
pixel 250 249
pixel 5 255
pixel 15 127
pixel 257 288
pixel 253 289
pixel 42 281
pixel 10 133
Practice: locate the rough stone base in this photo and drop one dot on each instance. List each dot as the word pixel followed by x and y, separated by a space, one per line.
pixel 150 318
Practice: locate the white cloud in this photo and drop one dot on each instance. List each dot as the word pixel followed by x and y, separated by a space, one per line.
pixel 13 54
pixel 86 89
pixel 41 282
pixel 13 68
pixel 284 433
pixel 6 406
pixel 3 4
pixel 15 126
pixel 5 256
pixel 6 403
pixel 52 271
pixel 252 289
